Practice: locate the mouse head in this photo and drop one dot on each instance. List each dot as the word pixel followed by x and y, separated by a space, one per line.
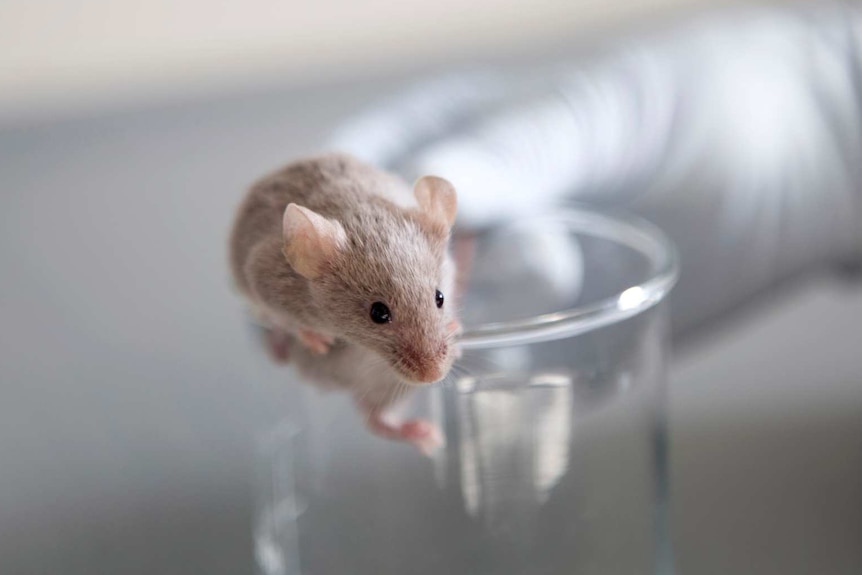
pixel 381 277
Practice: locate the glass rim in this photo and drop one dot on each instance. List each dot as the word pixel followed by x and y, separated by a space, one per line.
pixel 625 229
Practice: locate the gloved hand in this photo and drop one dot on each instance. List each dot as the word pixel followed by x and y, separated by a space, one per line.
pixel 739 133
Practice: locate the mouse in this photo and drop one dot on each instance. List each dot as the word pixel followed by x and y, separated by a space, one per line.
pixel 348 269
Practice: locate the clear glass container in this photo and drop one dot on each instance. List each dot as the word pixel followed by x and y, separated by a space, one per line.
pixel 553 458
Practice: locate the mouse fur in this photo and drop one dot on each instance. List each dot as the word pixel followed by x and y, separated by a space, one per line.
pixel 317 242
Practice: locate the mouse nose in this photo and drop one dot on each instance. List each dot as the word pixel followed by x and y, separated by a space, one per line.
pixel 425 367
pixel 431 374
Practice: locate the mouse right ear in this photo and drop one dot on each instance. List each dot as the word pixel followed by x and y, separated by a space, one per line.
pixel 437 202
pixel 310 240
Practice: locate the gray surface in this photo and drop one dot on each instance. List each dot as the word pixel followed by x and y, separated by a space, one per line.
pixel 766 421
pixel 131 389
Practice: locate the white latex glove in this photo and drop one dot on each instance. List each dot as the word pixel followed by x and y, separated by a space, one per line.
pixel 739 133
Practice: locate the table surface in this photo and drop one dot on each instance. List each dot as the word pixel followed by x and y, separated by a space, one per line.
pixel 131 390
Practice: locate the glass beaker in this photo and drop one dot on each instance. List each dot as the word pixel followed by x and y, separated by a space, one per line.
pixel 553 458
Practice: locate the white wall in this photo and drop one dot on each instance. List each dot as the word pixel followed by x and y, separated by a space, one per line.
pixel 58 56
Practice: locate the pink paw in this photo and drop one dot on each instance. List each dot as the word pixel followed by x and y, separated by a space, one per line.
pixel 423 434
pixel 419 432
pixel 316 342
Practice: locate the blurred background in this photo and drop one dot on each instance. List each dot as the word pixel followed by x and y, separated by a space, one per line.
pixel 60 59
pixel 131 387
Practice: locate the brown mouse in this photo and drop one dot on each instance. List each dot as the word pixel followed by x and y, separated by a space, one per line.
pixel 349 261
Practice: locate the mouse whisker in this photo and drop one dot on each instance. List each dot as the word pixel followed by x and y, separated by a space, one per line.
pixel 401 391
pixel 458 371
pixel 398 394
pixel 387 398
pixel 360 398
pixel 374 365
pixel 488 362
pixel 447 381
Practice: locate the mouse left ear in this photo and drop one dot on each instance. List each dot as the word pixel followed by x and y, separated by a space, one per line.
pixel 310 240
pixel 437 201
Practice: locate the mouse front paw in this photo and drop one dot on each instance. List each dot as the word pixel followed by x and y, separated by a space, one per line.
pixel 420 433
pixel 316 342
pixel 423 434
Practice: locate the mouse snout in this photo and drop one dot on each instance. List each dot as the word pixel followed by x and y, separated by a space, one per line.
pixel 426 364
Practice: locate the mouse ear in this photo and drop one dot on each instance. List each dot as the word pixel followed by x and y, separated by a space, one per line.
pixel 437 202
pixel 310 240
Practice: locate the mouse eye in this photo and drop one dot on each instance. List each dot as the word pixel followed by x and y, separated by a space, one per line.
pixel 380 313
pixel 439 298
